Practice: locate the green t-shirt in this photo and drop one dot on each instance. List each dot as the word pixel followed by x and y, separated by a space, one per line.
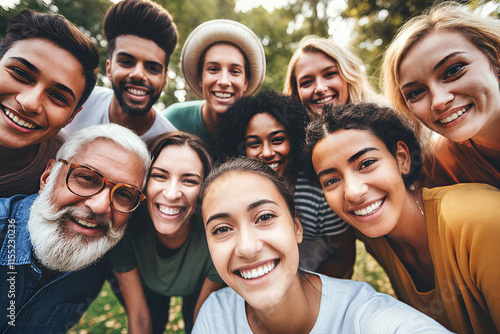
pixel 186 116
pixel 181 274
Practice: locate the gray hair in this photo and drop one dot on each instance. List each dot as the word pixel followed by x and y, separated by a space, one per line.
pixel 115 133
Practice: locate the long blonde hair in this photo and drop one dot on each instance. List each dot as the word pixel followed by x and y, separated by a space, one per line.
pixel 351 69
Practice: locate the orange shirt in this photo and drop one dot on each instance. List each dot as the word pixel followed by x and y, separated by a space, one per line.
pixel 459 163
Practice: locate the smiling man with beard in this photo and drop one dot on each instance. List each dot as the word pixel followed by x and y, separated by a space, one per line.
pixel 141 39
pixel 52 242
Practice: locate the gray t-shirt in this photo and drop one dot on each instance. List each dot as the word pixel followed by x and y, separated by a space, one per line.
pixel 346 307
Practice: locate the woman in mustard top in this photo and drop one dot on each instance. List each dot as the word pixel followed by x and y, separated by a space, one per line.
pixel 438 246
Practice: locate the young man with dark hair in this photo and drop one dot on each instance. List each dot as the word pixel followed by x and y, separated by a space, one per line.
pixel 47 71
pixel 141 39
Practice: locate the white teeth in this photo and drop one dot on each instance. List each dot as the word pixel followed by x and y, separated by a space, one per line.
pixel 170 211
pixel 324 100
pixel 274 165
pixel 223 95
pixel 136 91
pixel 369 209
pixel 454 116
pixel 85 223
pixel 19 121
pixel 257 272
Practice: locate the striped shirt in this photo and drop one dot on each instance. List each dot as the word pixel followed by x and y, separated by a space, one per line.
pixel 316 216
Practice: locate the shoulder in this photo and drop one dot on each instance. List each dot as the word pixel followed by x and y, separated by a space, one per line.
pixel 221 313
pixel 189 107
pixel 458 199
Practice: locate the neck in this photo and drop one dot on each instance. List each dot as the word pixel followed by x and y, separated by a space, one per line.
pixel 297 313
pixel 139 124
pixel 487 141
pixel 175 241
pixel 209 117
pixel 14 160
pixel 410 242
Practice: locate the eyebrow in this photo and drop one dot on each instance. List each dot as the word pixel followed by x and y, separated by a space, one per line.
pixel 250 207
pixel 35 70
pixel 26 63
pixel 149 62
pixel 271 134
pixel 353 158
pixel 445 59
pixel 167 172
pixel 436 67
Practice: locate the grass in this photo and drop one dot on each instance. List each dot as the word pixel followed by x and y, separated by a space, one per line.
pixel 107 315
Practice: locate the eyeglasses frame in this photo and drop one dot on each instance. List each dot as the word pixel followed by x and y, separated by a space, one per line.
pixel 114 186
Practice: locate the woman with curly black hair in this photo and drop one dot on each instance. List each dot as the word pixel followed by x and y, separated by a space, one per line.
pixel 271 128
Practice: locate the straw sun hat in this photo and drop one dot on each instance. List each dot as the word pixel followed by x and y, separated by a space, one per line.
pixel 223 31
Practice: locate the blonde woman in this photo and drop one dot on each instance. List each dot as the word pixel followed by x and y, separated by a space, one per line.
pixel 443 69
pixel 321 72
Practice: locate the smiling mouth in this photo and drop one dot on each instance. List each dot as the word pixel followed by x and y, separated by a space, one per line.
pixel 258 271
pixel 170 211
pixel 137 92
pixel 456 115
pixel 17 120
pixel 324 100
pixel 369 209
pixel 274 165
pixel 84 223
pixel 223 95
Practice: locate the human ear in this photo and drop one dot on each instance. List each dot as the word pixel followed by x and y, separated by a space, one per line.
pixel 299 231
pixel 108 68
pixel 403 157
pixel 45 175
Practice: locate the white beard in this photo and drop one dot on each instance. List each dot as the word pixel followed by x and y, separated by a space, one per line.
pixel 58 248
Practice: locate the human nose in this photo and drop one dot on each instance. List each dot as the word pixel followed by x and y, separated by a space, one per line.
pixel 321 87
pixel 100 203
pixel 354 188
pixel 172 191
pixel 267 151
pixel 31 99
pixel 441 96
pixel 138 72
pixel 248 243
pixel 224 78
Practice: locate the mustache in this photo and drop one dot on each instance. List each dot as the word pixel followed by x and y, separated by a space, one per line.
pixel 138 83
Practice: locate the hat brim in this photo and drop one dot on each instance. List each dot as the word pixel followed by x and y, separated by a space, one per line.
pixel 214 31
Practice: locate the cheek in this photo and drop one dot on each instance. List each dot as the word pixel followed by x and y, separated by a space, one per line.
pixel 252 152
pixel 220 255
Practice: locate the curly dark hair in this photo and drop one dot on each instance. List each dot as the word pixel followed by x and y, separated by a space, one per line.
pixel 383 122
pixel 232 125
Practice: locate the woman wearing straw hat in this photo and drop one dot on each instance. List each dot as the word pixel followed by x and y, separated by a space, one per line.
pixel 222 61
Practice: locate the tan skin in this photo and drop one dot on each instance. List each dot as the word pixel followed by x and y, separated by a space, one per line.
pixel 171 182
pixel 248 223
pixel 353 181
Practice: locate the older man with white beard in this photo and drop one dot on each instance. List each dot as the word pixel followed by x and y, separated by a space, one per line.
pixel 52 242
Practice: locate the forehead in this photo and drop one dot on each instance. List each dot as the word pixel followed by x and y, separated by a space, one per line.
pixel 229 52
pixel 112 161
pixel 234 191
pixel 342 144
pixel 433 47
pixel 179 157
pixel 139 48
pixel 264 122
pixel 312 61
pixel 54 63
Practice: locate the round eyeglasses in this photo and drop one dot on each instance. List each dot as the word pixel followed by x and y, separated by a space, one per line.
pixel 85 181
